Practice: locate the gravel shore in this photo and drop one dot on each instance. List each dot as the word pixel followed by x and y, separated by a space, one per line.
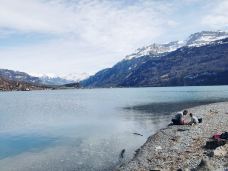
pixel 184 147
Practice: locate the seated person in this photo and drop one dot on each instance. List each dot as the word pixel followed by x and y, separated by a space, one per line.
pixel 179 118
pixel 194 119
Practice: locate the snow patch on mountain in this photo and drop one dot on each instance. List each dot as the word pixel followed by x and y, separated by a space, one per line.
pixel 156 49
pixel 205 37
pixel 194 40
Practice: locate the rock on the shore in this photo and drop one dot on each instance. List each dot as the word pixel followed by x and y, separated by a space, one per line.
pixel 184 147
pixel 221 151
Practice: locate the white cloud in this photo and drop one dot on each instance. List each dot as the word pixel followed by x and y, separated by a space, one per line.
pixel 33 16
pixel 217 16
pixel 88 35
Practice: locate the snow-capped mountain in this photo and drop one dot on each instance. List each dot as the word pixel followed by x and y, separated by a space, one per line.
pixel 156 49
pixel 54 79
pixel 18 76
pixel 75 76
pixel 47 80
pixel 205 63
pixel 194 40
pixel 39 79
pixel 205 37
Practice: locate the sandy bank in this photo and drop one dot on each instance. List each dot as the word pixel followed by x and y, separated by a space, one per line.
pixel 183 147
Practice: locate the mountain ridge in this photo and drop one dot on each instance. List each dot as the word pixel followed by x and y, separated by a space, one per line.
pixel 160 70
pixel 194 40
pixel 19 76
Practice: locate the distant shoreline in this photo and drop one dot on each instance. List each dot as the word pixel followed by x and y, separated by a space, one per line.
pixel 181 147
pixel 50 87
pixel 119 87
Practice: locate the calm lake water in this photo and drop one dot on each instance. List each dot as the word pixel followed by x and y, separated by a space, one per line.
pixel 87 129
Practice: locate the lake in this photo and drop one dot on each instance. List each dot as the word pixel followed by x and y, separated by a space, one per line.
pixel 86 129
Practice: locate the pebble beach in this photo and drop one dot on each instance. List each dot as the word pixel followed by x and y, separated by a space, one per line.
pixel 186 147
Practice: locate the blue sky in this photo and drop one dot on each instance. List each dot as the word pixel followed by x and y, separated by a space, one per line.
pixel 77 36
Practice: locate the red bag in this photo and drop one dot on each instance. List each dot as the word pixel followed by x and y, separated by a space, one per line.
pixel 217 136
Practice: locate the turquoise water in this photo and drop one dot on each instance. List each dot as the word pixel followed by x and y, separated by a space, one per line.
pixel 86 129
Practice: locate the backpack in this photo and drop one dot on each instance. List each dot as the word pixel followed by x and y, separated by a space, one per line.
pixel 224 136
